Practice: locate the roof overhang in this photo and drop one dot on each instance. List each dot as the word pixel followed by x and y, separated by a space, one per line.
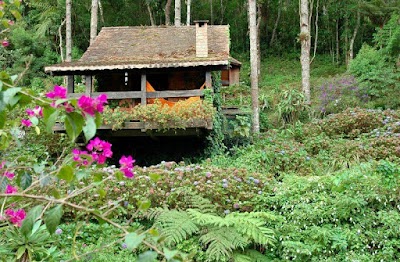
pixel 79 67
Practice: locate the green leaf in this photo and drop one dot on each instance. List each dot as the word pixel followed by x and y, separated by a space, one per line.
pixel 37 130
pixel 30 219
pixel 73 125
pixel 34 120
pixel 155 177
pixel 10 93
pixel 52 218
pixel 66 173
pixel 49 117
pixel 133 240
pixel 56 194
pixel 97 177
pixel 102 192
pixel 20 252
pixel 3 118
pixel 169 254
pixel 143 205
pixel 24 180
pixel 98 120
pixel 89 130
pixel 148 256
pixel 16 14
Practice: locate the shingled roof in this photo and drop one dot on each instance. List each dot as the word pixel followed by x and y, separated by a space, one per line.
pixel 150 47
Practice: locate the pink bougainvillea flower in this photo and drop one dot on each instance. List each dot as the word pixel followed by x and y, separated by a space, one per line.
pixel 38 111
pixel 58 92
pixel 26 122
pixel 11 190
pixel 10 22
pixel 15 216
pixel 92 105
pixel 30 112
pixel 9 175
pixel 5 43
pixel 83 158
pixel 127 166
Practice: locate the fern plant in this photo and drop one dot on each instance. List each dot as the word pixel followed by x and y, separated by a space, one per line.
pixel 223 238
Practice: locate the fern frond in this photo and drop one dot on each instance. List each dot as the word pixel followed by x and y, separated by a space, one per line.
pixel 175 226
pixel 239 257
pixel 221 242
pixel 154 213
pixel 251 225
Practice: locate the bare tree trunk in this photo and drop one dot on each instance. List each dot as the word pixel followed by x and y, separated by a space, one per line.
pixel 168 12
pixel 61 40
pixel 276 23
pixel 101 12
pixel 94 20
pixel 177 12
pixel 316 32
pixel 188 4
pixel 353 38
pixel 305 40
pixel 68 43
pixel 259 16
pixel 254 65
pixel 337 41
pixel 211 12
pixel 152 22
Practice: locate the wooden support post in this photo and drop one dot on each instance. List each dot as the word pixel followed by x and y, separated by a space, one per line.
pixel 88 84
pixel 208 80
pixel 143 96
pixel 70 84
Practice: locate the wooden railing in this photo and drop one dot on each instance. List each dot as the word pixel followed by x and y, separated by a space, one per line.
pixel 138 94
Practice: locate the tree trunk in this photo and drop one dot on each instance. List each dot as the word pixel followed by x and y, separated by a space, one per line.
pixel 188 4
pixel 101 12
pixel 353 38
pixel 254 65
pixel 152 22
pixel 94 20
pixel 177 12
pixel 276 23
pixel 68 43
pixel 337 41
pixel 305 40
pixel 68 32
pixel 211 12
pixel 316 32
pixel 61 40
pixel 259 16
pixel 168 12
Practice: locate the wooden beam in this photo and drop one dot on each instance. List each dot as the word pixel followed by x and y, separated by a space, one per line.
pixel 180 93
pixel 88 83
pixel 208 80
pixel 143 91
pixel 112 95
pixel 143 99
pixel 70 84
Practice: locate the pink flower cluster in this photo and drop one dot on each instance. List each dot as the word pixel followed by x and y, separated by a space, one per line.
pixel 127 166
pixel 97 151
pixel 90 105
pixel 15 216
pixel 11 190
pixel 35 112
pixel 86 104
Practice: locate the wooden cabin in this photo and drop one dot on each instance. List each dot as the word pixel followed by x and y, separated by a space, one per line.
pixel 174 62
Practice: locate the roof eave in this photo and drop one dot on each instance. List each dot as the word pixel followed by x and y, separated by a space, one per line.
pixel 72 67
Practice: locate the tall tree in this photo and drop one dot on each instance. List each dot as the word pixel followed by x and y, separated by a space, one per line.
pixel 305 40
pixel 68 43
pixel 152 22
pixel 94 20
pixel 254 65
pixel 167 12
pixel 353 38
pixel 177 12
pixel 188 10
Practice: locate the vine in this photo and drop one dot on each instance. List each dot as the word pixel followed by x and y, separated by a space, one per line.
pixel 216 137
